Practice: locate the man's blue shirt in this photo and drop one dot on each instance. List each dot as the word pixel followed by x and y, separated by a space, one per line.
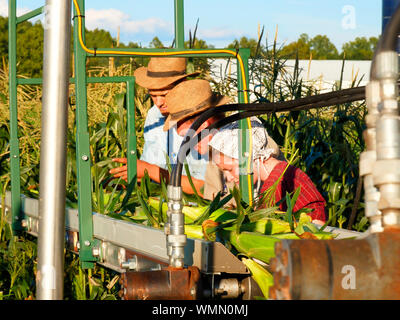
pixel 159 143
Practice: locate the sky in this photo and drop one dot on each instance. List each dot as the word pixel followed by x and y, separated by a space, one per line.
pixel 223 21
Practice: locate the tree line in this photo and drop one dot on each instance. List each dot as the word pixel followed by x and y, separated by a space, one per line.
pixel 30 47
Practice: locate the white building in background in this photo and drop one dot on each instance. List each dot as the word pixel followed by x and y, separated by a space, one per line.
pixel 322 74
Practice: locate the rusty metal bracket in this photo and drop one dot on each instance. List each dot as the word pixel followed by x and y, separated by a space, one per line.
pixel 360 269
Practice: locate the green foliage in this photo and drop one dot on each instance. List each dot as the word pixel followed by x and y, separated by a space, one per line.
pixel 319 48
pixel 156 43
pixel 300 48
pixel 359 49
pixel 322 48
pixel 245 42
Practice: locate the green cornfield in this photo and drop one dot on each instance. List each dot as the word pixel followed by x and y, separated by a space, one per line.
pixel 325 143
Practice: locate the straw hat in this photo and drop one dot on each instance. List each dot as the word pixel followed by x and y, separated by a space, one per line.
pixel 189 98
pixel 161 72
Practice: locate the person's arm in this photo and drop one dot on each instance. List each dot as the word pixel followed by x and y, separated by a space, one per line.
pixel 156 174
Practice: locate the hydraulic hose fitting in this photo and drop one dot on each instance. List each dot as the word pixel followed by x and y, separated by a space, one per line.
pixel 368 157
pixel 374 215
pixel 387 71
pixel 174 230
pixel 386 171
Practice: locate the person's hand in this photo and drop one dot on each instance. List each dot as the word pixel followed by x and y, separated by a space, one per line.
pixel 319 222
pixel 120 172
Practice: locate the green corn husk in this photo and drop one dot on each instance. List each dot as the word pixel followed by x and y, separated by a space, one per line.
pixel 194 231
pixel 292 236
pixel 264 279
pixel 222 215
pixel 267 226
pixel 254 245
pixel 191 213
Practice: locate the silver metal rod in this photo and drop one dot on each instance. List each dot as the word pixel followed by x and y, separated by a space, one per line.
pixel 368 158
pixel 175 228
pixel 56 67
pixel 386 170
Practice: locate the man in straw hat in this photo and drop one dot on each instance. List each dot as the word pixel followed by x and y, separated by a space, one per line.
pixel 159 77
pixel 186 102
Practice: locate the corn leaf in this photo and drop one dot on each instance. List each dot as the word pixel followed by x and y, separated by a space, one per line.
pixel 199 199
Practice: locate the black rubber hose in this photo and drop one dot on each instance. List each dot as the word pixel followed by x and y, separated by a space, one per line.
pixel 252 109
pixel 391 32
pixel 388 40
pixel 246 114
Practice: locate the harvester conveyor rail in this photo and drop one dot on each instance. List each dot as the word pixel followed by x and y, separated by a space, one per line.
pixel 120 240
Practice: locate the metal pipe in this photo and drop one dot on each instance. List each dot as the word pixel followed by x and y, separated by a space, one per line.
pixel 368 158
pixel 14 141
pixel 30 14
pixel 56 62
pixel 175 228
pixel 245 161
pixel 386 170
pixel 361 269
pixel 83 161
pixel 179 25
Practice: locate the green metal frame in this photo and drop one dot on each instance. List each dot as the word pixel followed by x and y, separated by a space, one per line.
pixel 86 239
pixel 14 141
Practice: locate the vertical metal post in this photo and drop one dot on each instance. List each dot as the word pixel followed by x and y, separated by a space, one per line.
pixel 14 142
pixel 131 148
pixel 179 25
pixel 56 62
pixel 83 151
pixel 245 187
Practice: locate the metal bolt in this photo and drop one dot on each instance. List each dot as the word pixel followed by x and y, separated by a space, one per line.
pixel 133 151
pixel 121 255
pixel 96 252
pixel 85 158
pixel 24 223
pixel 87 243
pixel 15 156
pixel 131 264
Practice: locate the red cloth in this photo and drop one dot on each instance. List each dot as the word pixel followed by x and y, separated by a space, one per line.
pixel 309 196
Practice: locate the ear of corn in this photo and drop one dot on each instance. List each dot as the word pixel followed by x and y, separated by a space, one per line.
pixel 293 236
pixel 191 213
pixel 264 279
pixel 221 215
pixel 254 239
pixel 254 245
pixel 194 231
pixel 267 226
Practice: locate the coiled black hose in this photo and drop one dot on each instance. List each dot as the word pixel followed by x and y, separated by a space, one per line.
pixel 251 109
